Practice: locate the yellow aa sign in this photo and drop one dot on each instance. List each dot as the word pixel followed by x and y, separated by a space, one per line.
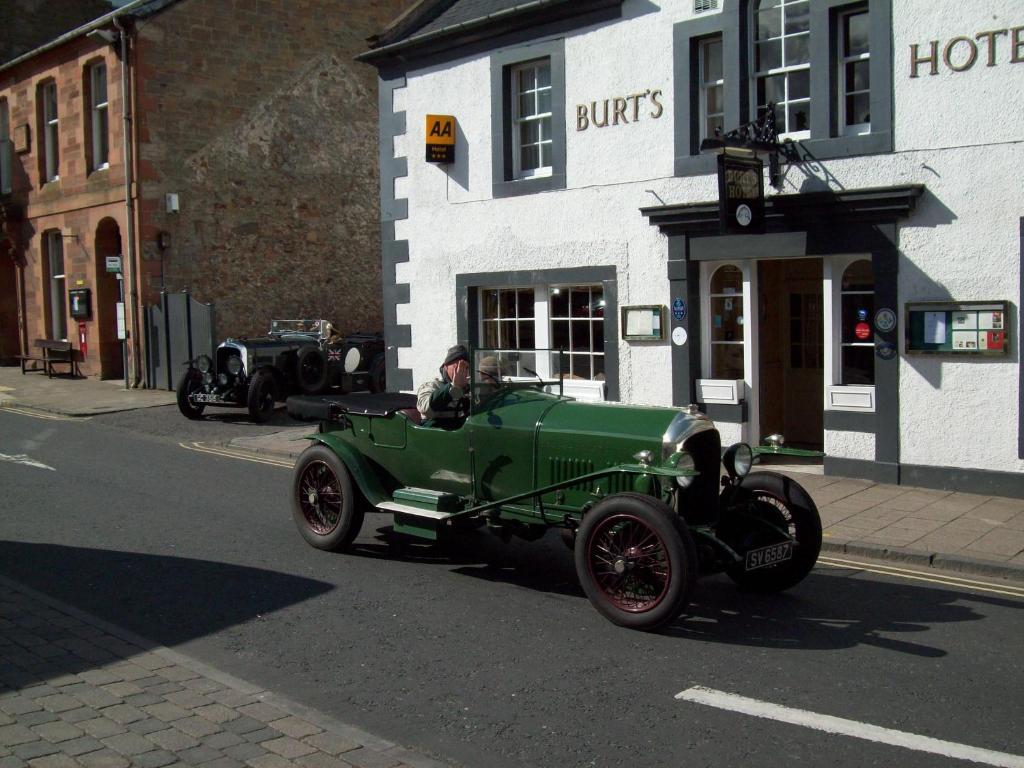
pixel 440 132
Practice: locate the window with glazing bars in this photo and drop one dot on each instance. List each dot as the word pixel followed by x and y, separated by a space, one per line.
pixel 531 119
pixel 782 62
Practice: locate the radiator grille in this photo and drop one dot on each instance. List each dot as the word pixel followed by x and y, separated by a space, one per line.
pixel 698 504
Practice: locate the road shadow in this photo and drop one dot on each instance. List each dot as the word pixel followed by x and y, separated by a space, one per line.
pixel 832 609
pixel 164 600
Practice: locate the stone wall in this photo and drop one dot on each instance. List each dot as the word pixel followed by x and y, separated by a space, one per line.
pixel 261 123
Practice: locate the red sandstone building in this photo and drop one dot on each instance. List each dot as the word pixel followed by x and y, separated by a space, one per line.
pixel 249 177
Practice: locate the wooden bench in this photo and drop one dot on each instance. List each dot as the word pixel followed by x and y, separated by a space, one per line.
pixel 50 353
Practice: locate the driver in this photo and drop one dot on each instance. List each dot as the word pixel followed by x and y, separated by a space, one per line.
pixel 442 402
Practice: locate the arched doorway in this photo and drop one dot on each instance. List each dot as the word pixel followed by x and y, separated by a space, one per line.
pixel 108 243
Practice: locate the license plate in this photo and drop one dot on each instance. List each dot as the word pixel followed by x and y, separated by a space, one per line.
pixel 204 397
pixel 765 556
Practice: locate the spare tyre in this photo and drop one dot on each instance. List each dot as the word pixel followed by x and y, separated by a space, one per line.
pixel 311 370
pixel 378 374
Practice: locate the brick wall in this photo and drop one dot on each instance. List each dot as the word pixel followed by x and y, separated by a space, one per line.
pixel 257 117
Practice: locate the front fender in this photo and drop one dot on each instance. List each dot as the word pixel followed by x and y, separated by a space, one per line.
pixel 356 463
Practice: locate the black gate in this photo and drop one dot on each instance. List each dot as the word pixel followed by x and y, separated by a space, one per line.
pixel 178 329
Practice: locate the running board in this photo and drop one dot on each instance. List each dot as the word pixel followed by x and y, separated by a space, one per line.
pixel 415 521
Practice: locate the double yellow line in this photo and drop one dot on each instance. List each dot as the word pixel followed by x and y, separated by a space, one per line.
pixel 1008 590
pixel 235 454
pixel 42 415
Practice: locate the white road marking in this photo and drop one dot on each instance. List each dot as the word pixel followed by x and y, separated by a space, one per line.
pixel 21 458
pixel 732 702
pixel 1010 590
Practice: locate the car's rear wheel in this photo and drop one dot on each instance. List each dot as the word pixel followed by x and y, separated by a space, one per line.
pixel 262 396
pixel 311 370
pixel 635 561
pixel 324 504
pixel 772 509
pixel 190 383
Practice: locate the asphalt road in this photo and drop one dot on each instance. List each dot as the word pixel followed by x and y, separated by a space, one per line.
pixel 491 655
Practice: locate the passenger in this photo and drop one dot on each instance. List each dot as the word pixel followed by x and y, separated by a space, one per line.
pixel 443 402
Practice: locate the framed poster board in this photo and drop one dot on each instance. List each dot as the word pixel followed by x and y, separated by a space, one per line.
pixel 958 328
pixel 646 323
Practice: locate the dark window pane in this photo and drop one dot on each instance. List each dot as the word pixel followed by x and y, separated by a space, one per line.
pixel 596 302
pixel 769 23
pixel 800 85
pixel 858 365
pixel 856 34
pixel 580 302
pixel 727 280
pixel 857 309
pixel 798 50
pixel 769 55
pixel 726 323
pixel 771 90
pixel 858 109
pixel 489 310
pixel 799 117
pixel 559 364
pixel 526 335
pixel 529 133
pixel 525 301
pixel 713 61
pixel 859 277
pixel 559 302
pixel 597 334
pixel 580 336
pixel 491 334
pixel 530 158
pixel 714 125
pixel 581 366
pixel 560 334
pixel 545 155
pixel 858 76
pixel 727 361
pixel 798 18
pixel 543 103
pixel 599 367
pixel 714 100
pixel 526 80
pixel 526 105
pixel 509 338
pixel 508 304
pixel 543 75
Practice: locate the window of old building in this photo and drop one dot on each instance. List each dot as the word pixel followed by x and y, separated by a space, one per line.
pixel 857 308
pixel 50 166
pixel 53 252
pixel 531 119
pixel 99 123
pixel 712 88
pixel 726 322
pixel 577 327
pixel 6 148
pixel 782 63
pixel 854 73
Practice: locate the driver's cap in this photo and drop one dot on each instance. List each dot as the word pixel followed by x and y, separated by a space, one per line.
pixel 458 352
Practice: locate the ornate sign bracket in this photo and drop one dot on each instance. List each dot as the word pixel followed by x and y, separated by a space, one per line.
pixel 758 137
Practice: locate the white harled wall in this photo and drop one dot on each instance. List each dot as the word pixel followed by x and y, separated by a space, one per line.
pixel 960 134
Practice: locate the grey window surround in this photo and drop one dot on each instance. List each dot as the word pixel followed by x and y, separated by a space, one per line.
pixel 503 184
pixel 826 142
pixel 468 311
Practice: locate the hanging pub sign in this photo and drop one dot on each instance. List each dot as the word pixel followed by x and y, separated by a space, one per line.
pixel 740 195
pixel 440 139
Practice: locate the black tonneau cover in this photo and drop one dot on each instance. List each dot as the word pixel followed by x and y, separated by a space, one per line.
pixel 324 407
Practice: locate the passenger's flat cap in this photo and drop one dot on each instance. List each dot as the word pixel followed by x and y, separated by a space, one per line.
pixel 458 352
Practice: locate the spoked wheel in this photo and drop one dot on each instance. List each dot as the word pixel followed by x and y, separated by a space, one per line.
pixel 311 370
pixel 323 500
pixel 635 563
pixel 772 510
pixel 190 383
pixel 262 396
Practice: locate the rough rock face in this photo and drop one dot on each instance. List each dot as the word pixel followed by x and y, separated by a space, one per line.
pixel 266 129
pixel 27 24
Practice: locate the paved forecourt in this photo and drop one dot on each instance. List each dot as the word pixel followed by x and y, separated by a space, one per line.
pixel 76 691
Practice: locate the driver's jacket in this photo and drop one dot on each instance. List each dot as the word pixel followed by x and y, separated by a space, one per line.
pixel 439 399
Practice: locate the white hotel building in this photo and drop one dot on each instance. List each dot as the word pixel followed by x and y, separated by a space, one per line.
pixel 578 191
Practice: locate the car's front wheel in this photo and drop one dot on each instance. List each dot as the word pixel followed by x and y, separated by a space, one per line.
pixel 262 396
pixel 770 510
pixel 311 370
pixel 635 561
pixel 324 505
pixel 190 383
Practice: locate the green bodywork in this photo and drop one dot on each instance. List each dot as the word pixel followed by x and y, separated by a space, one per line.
pixel 523 455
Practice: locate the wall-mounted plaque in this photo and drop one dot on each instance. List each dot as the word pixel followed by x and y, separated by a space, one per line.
pixel 646 323
pixel 957 328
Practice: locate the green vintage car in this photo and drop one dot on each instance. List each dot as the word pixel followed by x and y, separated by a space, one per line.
pixel 638 491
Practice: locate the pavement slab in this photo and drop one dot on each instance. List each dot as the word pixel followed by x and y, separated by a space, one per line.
pixel 45 725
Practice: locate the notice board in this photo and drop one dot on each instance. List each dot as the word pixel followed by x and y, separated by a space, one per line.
pixel 960 328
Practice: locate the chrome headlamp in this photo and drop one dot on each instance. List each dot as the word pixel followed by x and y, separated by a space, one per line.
pixel 204 363
pixel 682 460
pixel 738 460
pixel 208 377
pixel 234 365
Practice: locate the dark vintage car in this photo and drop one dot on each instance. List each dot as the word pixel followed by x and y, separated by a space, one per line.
pixel 638 491
pixel 296 356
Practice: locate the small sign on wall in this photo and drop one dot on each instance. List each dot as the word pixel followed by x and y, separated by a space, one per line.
pixel 440 133
pixel 958 328
pixel 646 323
pixel 740 195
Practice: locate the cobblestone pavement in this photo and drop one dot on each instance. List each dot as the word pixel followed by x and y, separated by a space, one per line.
pixel 76 691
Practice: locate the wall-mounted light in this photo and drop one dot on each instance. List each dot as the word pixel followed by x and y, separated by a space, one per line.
pixel 163 240
pixel 171 199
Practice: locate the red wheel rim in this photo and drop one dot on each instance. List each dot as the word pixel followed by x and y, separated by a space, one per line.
pixel 320 497
pixel 629 563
